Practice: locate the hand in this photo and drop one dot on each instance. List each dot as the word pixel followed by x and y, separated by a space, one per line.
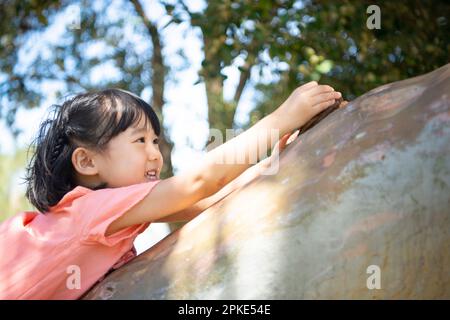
pixel 284 141
pixel 279 147
pixel 304 103
pixel 343 104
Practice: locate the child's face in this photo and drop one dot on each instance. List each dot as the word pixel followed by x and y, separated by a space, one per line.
pixel 129 157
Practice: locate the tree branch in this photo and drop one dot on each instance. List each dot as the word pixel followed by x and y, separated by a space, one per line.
pixel 181 2
pixel 158 82
pixel 158 77
pixel 245 75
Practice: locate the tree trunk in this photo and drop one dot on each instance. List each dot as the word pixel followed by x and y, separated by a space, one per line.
pixel 158 82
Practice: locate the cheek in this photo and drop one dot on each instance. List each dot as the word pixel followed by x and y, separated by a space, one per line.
pixel 129 162
pixel 135 162
pixel 161 160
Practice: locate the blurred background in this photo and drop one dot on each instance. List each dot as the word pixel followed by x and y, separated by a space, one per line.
pixel 200 64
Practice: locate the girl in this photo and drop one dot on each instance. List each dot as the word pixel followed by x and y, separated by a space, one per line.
pixel 94 177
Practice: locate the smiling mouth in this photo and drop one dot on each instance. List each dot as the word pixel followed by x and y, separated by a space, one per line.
pixel 151 175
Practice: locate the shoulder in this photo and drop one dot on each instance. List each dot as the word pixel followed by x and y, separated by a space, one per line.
pixel 70 197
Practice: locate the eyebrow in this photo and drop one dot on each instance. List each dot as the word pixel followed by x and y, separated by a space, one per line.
pixel 138 130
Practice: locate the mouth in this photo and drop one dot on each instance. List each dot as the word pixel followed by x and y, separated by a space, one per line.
pixel 151 175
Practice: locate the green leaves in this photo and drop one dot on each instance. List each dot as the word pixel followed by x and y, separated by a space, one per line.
pixel 294 41
pixel 325 66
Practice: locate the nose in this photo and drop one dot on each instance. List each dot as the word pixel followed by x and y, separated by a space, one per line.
pixel 153 152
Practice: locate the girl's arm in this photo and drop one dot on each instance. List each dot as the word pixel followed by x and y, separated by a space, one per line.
pixel 211 174
pixel 248 175
pixel 193 211
pixel 207 177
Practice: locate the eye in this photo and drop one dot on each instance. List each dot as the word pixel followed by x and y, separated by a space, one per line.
pixel 141 138
pixel 156 141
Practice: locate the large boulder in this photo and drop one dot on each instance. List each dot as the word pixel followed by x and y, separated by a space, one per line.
pixel 359 209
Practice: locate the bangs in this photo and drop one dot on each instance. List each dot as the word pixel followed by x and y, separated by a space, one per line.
pixel 121 110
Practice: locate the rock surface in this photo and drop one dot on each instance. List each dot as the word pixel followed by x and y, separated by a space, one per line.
pixel 366 190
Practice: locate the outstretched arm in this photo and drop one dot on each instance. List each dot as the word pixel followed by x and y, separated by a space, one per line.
pixel 211 174
pixel 248 175
pixel 193 211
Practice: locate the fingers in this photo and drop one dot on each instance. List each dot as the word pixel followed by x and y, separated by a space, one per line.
pixel 281 144
pixel 283 141
pixel 308 86
pixel 323 105
pixel 326 96
pixel 320 89
pixel 314 88
pixel 287 139
pixel 343 104
pixel 293 136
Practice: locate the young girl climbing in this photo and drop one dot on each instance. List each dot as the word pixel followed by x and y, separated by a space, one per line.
pixel 94 179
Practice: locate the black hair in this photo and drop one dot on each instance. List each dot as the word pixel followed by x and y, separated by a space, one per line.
pixel 89 120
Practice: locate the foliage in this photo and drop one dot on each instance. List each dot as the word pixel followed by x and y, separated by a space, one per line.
pixel 12 189
pixel 276 44
pixel 335 47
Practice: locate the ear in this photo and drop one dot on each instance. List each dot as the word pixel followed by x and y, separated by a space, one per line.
pixel 84 162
